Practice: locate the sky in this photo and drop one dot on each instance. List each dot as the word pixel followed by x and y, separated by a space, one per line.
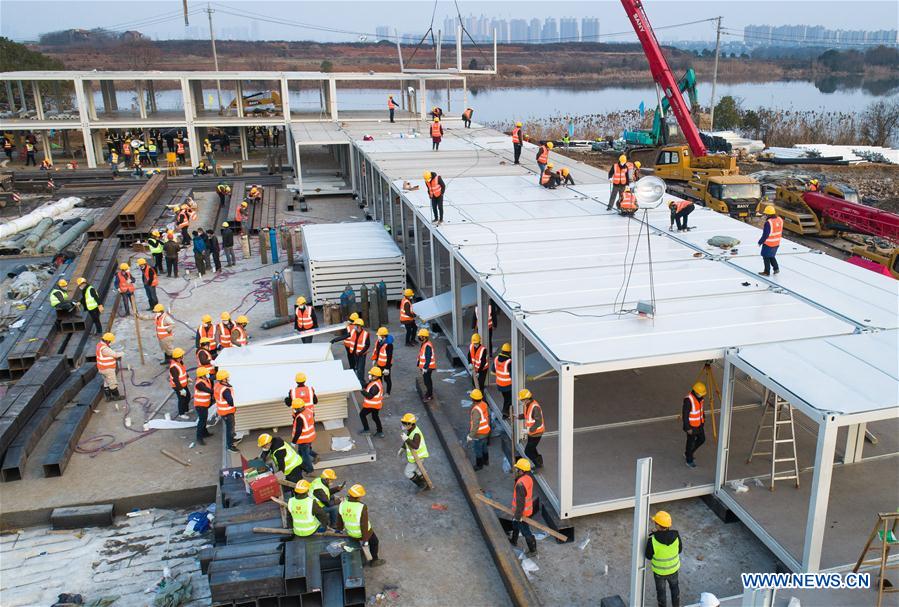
pixel 26 19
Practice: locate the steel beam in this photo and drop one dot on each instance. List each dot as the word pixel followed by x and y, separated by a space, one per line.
pixel 566 441
pixel 642 491
pixel 816 522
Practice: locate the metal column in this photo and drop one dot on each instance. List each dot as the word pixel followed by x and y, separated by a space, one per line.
pixel 816 522
pixel 855 443
pixel 419 255
pixel 141 102
pixel 726 415
pixel 81 94
pixel 193 153
pixel 38 101
pixel 642 491
pixel 332 87
pixel 518 377
pixel 422 92
pixel 456 290
pixel 566 441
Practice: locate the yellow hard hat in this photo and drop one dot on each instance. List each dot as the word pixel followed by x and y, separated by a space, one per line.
pixel 62 282
pixel 80 280
pixel 476 394
pixel 124 266
pixel 549 144
pixel 300 378
pixel 390 96
pixel 475 339
pixel 382 332
pixel 436 119
pixel 329 474
pixel 699 388
pixel 263 440
pixel 242 320
pixel 244 203
pixel 637 164
pixel 154 233
pixel 159 308
pixel 302 486
pixel 225 316
pixel 662 519
pixel 507 347
pixel 565 172
pixel 408 418
pixel 178 353
pixel 550 165
pixel 297 403
pixel 202 371
pixel 427 175
pixel 207 318
pixel 359 322
pixel 408 293
pixel 622 158
pixel 424 333
pixel 225 224
pixel 376 372
pixel 354 316
pixel 814 181
pixel 205 340
pixel 769 210
pixel 524 393
pixel 222 375
pixel 301 301
pixel 523 464
pixel 356 490
pixel 108 337
pixel 141 261
pixel 517 124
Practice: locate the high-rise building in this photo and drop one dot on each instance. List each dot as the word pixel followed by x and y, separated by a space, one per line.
pixel 382 32
pixel 568 30
pixel 550 32
pixel 449 29
pixel 501 27
pixel 796 35
pixel 534 31
pixel 518 30
pixel 590 29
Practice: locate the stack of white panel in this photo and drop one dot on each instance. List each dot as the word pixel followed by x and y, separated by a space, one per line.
pixel 354 253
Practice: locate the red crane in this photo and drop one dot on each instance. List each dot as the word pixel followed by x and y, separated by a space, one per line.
pixel 661 73
pixel 860 218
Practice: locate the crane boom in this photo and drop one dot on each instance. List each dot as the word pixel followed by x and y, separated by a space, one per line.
pixel 661 73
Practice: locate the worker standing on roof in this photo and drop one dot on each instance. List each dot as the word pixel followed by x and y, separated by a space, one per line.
pixel 543 157
pixel 436 134
pixel 502 368
pixel 223 190
pixel 382 357
pixel 224 329
pixel 59 298
pixel 479 429
pixel 304 318
pixel 770 240
pixel 466 117
pixel 565 177
pixel 532 414
pixel 620 175
pixel 413 442
pixel 813 185
pixel 391 106
pixel 407 316
pixel 306 515
pixel 203 393
pixel 517 141
pixel 283 457
pixel 303 432
pixel 155 247
pixel 178 380
pixel 663 548
pixel 479 362
pixel 150 279
pixel 165 331
pixel 209 330
pixel 125 284
pixel 355 521
pixel 361 344
pixel 548 178
pixel 427 362
pixel 524 504
pixel 372 401
pixel 436 190
pixel 90 301
pixel 224 404
pixel 106 367
pixel 635 174
pixel 323 493
pixel 680 212
pixel 693 415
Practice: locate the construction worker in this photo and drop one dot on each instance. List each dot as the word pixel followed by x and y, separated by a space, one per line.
pixel 203 393
pixel 543 157
pixel 242 215
pixel 413 442
pixel 207 149
pixel 228 243
pixel 150 279
pixel 382 357
pixel 171 249
pixel 635 174
pixel 224 329
pixel 205 357
pixel 106 366
pixel 436 134
pixel 255 194
pixel 201 253
pixel 155 247
pixel 324 494
pixel 178 380
pixel 427 362
pixel 770 240
pixel 360 348
pixel 693 415
pixel 90 301
pixel 437 112
pixel 517 141
pixel 466 117
pixel 29 154
pixel 355 522
pixel 239 336
pixel 436 190
pixel 223 190
pixel 224 404
pixel 372 401
pixel 125 284
pixel 303 432
pixel 532 414
pixel 524 504
pixel 628 202
pixel 502 368
pixel 59 298
pixel 304 318
pixel 283 457
pixel 302 391
pixel 565 177
pixel 180 151
pixel 813 185
pixel 407 316
pixel 479 429
pixel 207 329
pixel 548 178
pixel 492 322
pixel 153 152
pixel 391 106
pixel 663 548
pixel 680 211
pixel 348 337
pixel 619 175
pixel 479 363
pixel 8 148
pixel 306 515
pixel 165 331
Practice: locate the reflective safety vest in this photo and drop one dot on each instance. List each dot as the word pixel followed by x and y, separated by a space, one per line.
pixel 422 451
pixel 304 521
pixel 224 332
pixel 527 481
pixel 241 339
pixel 405 304
pixel 220 403
pixel 502 369
pixel 619 177
pixel 306 393
pixel 125 284
pixel 376 401
pixel 202 400
pixel 697 415
pixel 530 421
pixel 304 317
pixel 545 176
pixel 489 315
pixel 210 332
pixel 183 219
pixel 776 224
pixel 179 148
pixel 421 356
pixel 379 354
pixel 680 205
pixel 90 301
pixel 544 154
pixel 351 513
pixel 665 557
pixel 466 115
pixel 516 135
pixel 154 245
pixel 316 485
pixel 292 459
pixel 361 341
pixel 349 342
pixel 434 188
pixel 478 355
pixel 114 158
pixel 152 148
pixel 57 296
pixel 436 130
pixel 105 361
pixel 628 201
pixel 391 104
pixel 242 214
pixel 126 149
pixel 146 272
pixel 163 328
pixel 182 375
pixel 307 418
pixel 204 359
pixel 484 421
pixel 207 147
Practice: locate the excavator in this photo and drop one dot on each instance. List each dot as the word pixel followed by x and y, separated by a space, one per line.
pixel 256 101
pixel 658 134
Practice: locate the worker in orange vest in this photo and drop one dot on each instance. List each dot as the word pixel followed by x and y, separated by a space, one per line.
pixel 224 329
pixel 479 362
pixel 407 316
pixel 680 211
pixel 302 391
pixel 178 380
pixel 391 106
pixel 304 318
pixel 372 401
pixel 770 240
pixel 303 434
pixel 361 344
pixel 242 215
pixel 543 157
pixel 524 504
pixel 628 203
pixel 466 117
pixel 694 421
pixel 813 185
pixel 427 362
pixel 150 279
pixel 436 134
pixel 502 368
pixel 125 284
pixel 517 139
pixel 348 337
pixel 106 366
pixel 165 331
pixel 382 356
pixel 205 358
pixel 207 329
pixel 620 175
pixel 548 178
pixel 203 392
pixel 479 429
pixel 239 336
pixel 223 394
pixel 532 414
pixel 436 190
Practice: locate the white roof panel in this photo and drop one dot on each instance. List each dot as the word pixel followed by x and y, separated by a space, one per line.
pixel 274 354
pixel 348 241
pixel 270 383
pixel 318 133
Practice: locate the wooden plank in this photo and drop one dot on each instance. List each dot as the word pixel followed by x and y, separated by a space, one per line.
pixel 76 517
pixel 528 520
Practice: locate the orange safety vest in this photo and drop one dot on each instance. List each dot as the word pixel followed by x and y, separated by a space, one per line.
pixel 697 415
pixel 391 104
pixel 349 342
pixel 307 417
pixel 204 359
pixel 104 361
pixel 202 400
pixel 434 188
pixel 361 341
pixel 404 315
pixel 306 393
pixel 304 317
pixel 182 375
pixel 146 272
pixel 209 332
pixel 516 135
pixel 466 114
pixel 489 315
pixel 179 148
pixel 163 330
pixel 530 422
pixel 379 354
pixel 628 201
pixel 183 220
pixel 220 403
pixel 680 205
pixel 421 356
pixel 125 284
pixel 544 176
pixel 224 334
pixel 484 422
pixel 620 175
pixel 436 130
pixel 503 372
pixel 544 154
pixel 241 339
pixel 528 482
pixel 777 225
pixel 476 353
pixel 374 402
pixel 241 214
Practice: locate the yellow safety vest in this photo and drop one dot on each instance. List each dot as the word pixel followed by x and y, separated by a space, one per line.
pixel 421 452
pixel 304 521
pixel 317 484
pixel 292 459
pixel 351 513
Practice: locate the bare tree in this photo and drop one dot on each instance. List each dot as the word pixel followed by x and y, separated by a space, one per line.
pixel 880 122
pixel 140 55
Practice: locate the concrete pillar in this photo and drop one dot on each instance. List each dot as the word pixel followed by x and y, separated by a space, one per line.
pixel 151 96
pixel 108 93
pixel 422 97
pixel 10 96
pixel 45 145
pixel 244 142
pixel 193 150
pixel 85 101
pixel 38 100
pixel 141 101
pixel 196 93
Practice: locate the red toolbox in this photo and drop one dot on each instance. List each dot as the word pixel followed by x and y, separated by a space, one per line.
pixel 264 487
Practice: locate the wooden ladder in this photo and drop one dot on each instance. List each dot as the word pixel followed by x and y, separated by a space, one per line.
pixel 885 531
pixel 783 432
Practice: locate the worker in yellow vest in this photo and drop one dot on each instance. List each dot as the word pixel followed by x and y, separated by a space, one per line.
pixel 355 522
pixel 323 490
pixel 770 240
pixel 413 442
pixel 284 458
pixel 663 549
pixel 306 515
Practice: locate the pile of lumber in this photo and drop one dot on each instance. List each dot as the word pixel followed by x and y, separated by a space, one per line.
pixel 138 207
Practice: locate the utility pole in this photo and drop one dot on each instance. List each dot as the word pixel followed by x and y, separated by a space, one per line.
pixel 215 57
pixel 715 77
